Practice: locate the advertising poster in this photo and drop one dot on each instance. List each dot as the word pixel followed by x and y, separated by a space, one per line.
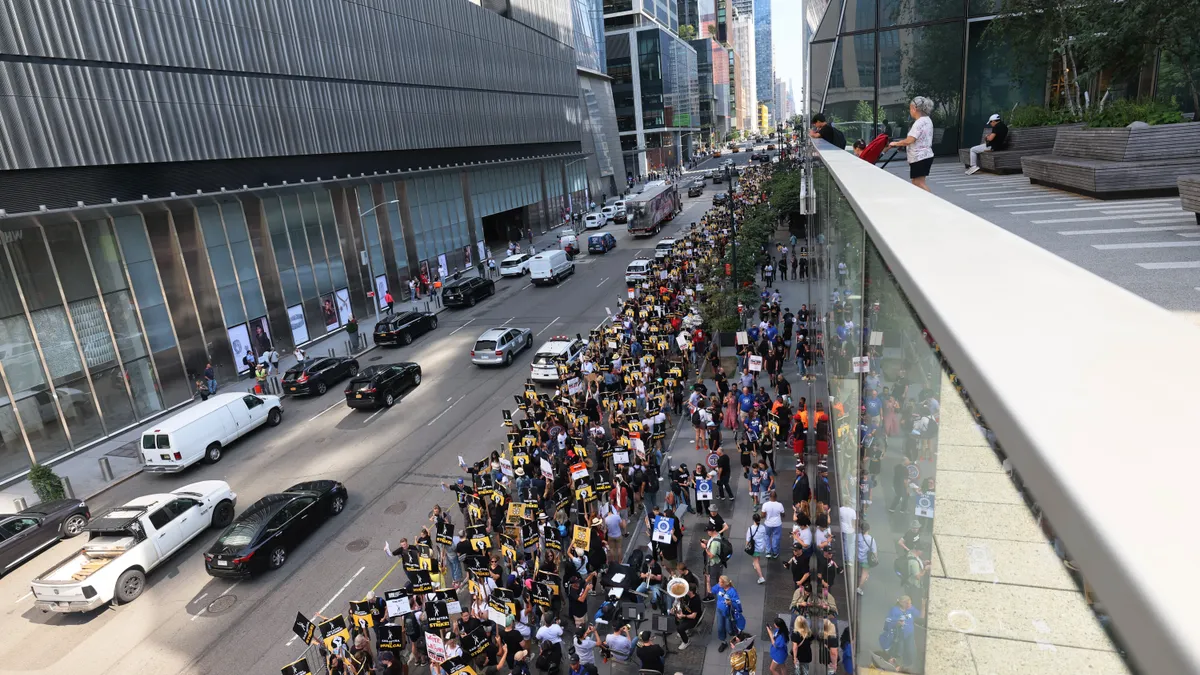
pixel 466 257
pixel 260 331
pixel 299 328
pixel 483 252
pixel 239 340
pixel 329 311
pixel 381 289
pixel 343 304
pixel 443 269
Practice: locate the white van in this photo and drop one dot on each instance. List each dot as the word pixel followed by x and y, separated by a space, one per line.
pixel 637 271
pixel 202 431
pixel 550 267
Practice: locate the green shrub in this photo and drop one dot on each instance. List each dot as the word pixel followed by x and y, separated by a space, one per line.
pixel 1039 116
pixel 1121 112
pixel 46 483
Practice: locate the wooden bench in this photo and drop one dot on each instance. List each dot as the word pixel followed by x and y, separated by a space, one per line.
pixel 1189 194
pixel 1119 163
pixel 1022 142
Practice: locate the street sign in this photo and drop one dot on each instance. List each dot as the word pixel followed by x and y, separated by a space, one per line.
pixel 712 460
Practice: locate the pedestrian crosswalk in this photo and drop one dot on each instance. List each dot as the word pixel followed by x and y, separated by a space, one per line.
pixel 1151 234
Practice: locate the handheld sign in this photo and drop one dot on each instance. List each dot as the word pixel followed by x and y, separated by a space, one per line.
pixel 435 647
pixel 756 363
pixel 437 615
pixel 360 614
pixel 335 634
pixel 712 460
pixel 664 527
pixel 303 628
pixel 398 603
pixel 389 637
pixel 475 642
pixel 296 668
pixel 581 537
pixel 445 534
pixel 704 490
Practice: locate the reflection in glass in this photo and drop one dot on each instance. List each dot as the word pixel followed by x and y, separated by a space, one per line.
pixel 997 80
pixel 66 370
pixel 851 90
pixel 146 399
pixel 925 62
pixel 903 12
pixel 35 404
pixel 14 456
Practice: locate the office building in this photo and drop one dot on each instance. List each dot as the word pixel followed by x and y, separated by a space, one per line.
pixel 764 118
pixel 712 68
pixel 868 60
pixel 255 187
pixel 745 45
pixel 655 85
pixel 764 54
pixel 601 140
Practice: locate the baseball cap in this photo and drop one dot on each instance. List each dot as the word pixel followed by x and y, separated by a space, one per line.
pixel 460 481
pixel 994 118
pixel 387 656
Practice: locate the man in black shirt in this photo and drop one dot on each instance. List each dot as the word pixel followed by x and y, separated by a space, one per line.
pixel 824 130
pixel 688 613
pixel 995 138
pixel 652 656
pixel 827 568
pixel 724 471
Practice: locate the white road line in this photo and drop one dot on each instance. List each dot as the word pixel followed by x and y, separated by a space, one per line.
pixel 1101 207
pixel 1009 191
pixel 25 596
pixel 325 411
pixel 448 408
pixel 1160 221
pixel 981 184
pixel 602 282
pixel 468 323
pixel 527 285
pixel 1129 230
pixel 335 597
pixel 1060 199
pixel 508 322
pixel 1131 216
pixel 1148 244
pixel 374 415
pixel 1186 265
pixel 202 596
pixel 197 615
pixel 1189 234
pixel 548 326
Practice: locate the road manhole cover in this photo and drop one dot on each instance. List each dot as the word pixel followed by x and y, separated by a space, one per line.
pixel 221 604
pixel 375 358
pixel 396 509
pixel 358 545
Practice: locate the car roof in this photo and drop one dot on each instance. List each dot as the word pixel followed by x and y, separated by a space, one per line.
pixel 493 333
pixel 668 242
pixel 517 257
pixel 592 215
pixel 192 413
pixel 597 234
pixel 556 345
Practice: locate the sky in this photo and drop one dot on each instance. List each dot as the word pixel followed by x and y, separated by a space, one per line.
pixel 789 48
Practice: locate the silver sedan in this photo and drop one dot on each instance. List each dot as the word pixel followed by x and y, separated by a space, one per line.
pixel 498 346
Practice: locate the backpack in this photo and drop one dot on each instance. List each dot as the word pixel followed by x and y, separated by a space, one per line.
pixel 724 550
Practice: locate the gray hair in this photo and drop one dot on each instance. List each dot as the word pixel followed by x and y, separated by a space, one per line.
pixel 923 105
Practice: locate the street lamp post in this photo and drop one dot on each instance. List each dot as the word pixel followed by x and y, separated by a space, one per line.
pixel 367 244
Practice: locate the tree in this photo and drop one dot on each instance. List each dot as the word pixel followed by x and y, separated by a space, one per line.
pixel 687 32
pixel 1047 27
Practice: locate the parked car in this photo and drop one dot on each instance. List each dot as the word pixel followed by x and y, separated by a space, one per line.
pixel 317 375
pixel 128 542
pixel 401 329
pixel 550 267
pixel 569 242
pixel 265 533
pixel 515 265
pixel 380 386
pixel 25 533
pixel 499 345
pixel 696 188
pixel 202 431
pixel 622 215
pixel 465 292
pixel 720 198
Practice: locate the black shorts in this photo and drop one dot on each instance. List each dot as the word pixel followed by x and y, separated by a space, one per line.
pixel 920 169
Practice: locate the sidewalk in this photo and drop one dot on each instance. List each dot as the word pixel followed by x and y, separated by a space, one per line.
pixel 83 470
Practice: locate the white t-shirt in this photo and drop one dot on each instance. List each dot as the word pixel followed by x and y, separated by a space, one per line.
pixel 922 148
pixel 552 634
pixel 772 514
pixel 847 518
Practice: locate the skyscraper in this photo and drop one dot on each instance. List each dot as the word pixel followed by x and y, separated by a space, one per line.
pixel 764 61
pixel 745 39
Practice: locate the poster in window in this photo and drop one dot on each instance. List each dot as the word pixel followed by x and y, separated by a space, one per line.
pixel 483 252
pixel 443 269
pixel 239 340
pixel 343 305
pixel 329 311
pixel 466 257
pixel 425 270
pixel 261 331
pixel 381 289
pixel 299 328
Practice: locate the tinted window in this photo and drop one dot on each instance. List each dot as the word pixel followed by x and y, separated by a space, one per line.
pixel 293 509
pixel 17 525
pixel 239 534
pixel 148 442
pixel 164 442
pixel 181 506
pixel 485 345
pixel 162 516
pixel 252 402
pixel 277 520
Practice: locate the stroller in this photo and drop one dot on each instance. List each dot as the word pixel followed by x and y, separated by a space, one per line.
pixel 875 148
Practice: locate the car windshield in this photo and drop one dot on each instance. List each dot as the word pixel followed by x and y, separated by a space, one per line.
pixel 485 345
pixel 239 534
pixel 544 359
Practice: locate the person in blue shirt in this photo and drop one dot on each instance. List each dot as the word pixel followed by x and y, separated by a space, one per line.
pixel 752 333
pixel 772 332
pixel 874 407
pixel 841 332
pixel 745 402
pixel 779 645
pixel 729 611
pixel 898 633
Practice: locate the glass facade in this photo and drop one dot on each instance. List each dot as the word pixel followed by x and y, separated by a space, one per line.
pixel 97 334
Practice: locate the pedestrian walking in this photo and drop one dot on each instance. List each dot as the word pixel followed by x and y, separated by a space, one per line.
pixel 756 544
pixel 260 377
pixel 352 331
pixel 778 632
pixel 772 511
pixel 387 299
pixel 730 620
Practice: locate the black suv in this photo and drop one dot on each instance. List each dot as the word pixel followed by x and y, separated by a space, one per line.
pixel 696 188
pixel 400 329
pixel 466 292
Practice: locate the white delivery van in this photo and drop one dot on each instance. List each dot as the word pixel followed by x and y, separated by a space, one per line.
pixel 202 431
pixel 637 271
pixel 550 267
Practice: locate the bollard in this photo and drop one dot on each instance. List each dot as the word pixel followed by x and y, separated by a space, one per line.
pixel 106 473
pixel 70 491
pixel 19 502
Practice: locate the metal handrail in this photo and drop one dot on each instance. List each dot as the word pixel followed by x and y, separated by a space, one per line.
pixel 1049 353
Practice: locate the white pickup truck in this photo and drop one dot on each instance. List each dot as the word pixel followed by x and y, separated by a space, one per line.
pixel 126 542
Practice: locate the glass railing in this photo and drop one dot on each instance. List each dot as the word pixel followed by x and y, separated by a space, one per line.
pixel 982 389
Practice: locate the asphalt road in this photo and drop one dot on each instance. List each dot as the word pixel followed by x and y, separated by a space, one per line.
pixel 392 463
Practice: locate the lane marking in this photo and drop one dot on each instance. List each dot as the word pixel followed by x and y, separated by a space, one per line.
pixel 461 327
pixel 330 601
pixel 1153 220
pixel 1187 265
pixel 1129 216
pixel 374 415
pixel 30 593
pixel 527 285
pixel 602 282
pixel 451 406
pixel 1128 230
pixel 1061 199
pixel 1149 244
pixel 325 410
pixel 202 596
pixel 204 609
pixel 384 577
pixel 1109 207
pixel 548 326
pixel 509 321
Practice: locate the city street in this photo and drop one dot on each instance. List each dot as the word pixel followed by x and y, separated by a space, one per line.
pixel 392 462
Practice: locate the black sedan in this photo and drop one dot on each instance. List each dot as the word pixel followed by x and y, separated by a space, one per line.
pixel 401 329
pixel 316 375
pixel 263 535
pixel 720 198
pixel 696 188
pixel 381 385
pixel 466 292
pixel 24 534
